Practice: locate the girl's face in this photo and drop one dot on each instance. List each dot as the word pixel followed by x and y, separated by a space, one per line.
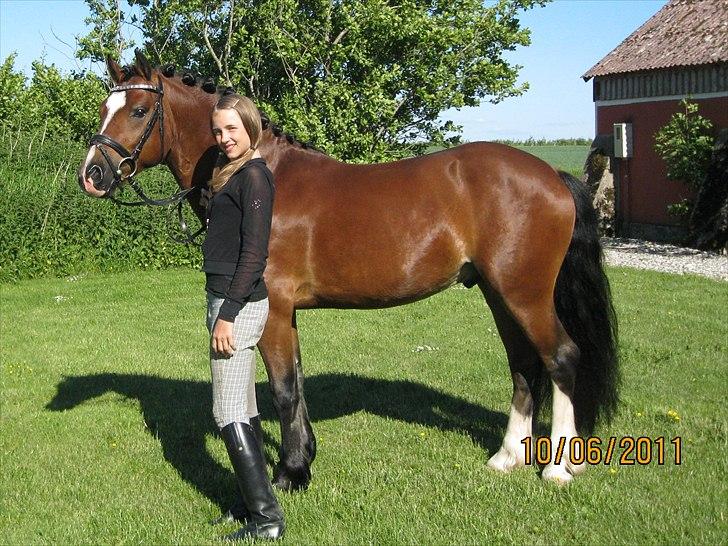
pixel 231 136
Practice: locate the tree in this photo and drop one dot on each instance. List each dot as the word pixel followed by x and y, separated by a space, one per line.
pixel 107 34
pixel 361 79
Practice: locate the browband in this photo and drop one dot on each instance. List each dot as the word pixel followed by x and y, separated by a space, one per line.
pixel 144 86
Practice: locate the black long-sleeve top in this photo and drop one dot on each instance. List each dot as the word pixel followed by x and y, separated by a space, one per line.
pixel 235 250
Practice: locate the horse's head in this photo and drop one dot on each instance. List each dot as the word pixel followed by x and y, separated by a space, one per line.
pixel 132 130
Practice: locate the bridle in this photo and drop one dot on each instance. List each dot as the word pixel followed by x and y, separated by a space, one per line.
pixel 102 141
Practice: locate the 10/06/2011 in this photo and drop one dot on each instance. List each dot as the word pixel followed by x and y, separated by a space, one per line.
pixel 642 450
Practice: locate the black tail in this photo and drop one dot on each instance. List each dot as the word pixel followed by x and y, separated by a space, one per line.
pixel 584 306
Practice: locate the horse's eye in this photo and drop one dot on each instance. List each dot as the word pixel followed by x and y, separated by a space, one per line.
pixel 139 113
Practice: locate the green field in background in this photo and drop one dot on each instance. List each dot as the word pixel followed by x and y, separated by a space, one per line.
pixel 568 158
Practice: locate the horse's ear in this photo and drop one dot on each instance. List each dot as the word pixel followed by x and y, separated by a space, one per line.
pixel 116 73
pixel 142 66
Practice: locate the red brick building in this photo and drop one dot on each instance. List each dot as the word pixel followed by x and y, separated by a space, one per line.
pixel 682 51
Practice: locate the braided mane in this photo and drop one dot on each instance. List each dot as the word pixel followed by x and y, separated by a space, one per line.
pixel 210 87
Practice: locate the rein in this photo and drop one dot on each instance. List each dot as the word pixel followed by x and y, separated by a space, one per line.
pixel 102 141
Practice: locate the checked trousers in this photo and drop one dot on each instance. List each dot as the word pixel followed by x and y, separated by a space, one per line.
pixel 233 379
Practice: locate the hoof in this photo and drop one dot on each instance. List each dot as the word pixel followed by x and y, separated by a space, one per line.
pixel 505 461
pixel 286 479
pixel 556 474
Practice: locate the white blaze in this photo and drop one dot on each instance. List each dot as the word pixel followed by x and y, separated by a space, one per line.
pixel 114 103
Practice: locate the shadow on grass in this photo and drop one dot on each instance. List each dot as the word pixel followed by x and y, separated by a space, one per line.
pixel 178 413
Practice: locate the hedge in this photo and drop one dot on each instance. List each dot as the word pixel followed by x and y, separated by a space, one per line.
pixel 49 227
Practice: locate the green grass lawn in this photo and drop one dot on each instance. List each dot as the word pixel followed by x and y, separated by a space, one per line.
pixel 107 433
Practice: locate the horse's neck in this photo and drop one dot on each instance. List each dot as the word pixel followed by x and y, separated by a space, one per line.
pixel 192 166
pixel 193 150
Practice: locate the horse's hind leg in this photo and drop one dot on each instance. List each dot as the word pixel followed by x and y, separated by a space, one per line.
pixel 535 339
pixel 560 356
pixel 525 366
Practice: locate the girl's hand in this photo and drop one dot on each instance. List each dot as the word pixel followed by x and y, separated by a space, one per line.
pixel 222 338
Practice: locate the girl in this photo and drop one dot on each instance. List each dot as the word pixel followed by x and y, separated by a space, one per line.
pixel 235 253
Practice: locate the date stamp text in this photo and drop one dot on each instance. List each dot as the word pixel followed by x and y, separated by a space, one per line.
pixel 626 451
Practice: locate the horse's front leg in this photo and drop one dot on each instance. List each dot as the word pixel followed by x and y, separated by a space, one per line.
pixel 280 351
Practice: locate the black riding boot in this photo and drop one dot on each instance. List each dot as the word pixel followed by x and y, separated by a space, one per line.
pixel 238 511
pixel 265 517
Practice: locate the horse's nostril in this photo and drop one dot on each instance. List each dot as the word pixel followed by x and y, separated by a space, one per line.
pixel 96 174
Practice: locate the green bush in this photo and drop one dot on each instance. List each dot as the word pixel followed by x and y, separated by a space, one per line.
pixel 59 105
pixel 12 90
pixel 685 144
pixel 48 227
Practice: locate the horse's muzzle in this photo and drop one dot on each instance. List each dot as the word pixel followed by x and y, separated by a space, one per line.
pixel 93 180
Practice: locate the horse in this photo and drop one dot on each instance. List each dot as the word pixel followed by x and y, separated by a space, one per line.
pixel 355 236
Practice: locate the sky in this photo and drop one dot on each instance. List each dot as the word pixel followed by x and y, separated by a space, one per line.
pixel 567 38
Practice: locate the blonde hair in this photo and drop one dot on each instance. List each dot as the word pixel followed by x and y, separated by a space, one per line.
pixel 250 116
